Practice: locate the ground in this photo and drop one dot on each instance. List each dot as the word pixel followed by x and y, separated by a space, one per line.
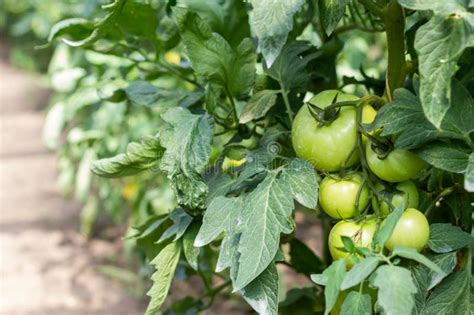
pixel 46 266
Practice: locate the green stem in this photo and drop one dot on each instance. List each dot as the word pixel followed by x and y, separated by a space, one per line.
pixel 232 102
pixel 394 20
pixel 284 93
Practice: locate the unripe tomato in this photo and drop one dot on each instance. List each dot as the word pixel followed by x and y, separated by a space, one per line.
pixel 230 163
pixel 326 147
pixel 368 113
pixel 412 230
pixel 361 234
pixel 399 165
pixel 337 196
pixel 173 57
pixel 404 192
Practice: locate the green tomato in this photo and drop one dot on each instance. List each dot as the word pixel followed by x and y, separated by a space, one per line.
pixel 412 230
pixel 361 234
pixel 337 196
pixel 326 147
pixel 404 192
pixel 398 166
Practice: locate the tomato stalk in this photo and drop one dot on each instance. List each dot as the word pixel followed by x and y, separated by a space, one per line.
pixel 394 20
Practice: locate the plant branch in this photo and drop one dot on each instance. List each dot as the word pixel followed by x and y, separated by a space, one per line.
pixel 394 20
pixel 284 93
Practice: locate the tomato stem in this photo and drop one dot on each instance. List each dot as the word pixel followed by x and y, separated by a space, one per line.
pixel 394 20
pixel 284 93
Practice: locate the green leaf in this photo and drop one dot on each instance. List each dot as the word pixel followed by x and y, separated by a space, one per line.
pixel 83 175
pixel 438 6
pixel 262 293
pixel 410 253
pixel 54 124
pixel 385 230
pixel 303 259
pixel 220 217
pixel 304 182
pixel 330 13
pixel 258 105
pixel 266 213
pixel 395 289
pixel 426 279
pixel 452 296
pixel 181 221
pixel 445 237
pixel 439 43
pixel 360 272
pixel 445 156
pixel 272 21
pixel 146 94
pixel 100 28
pixel 190 252
pixel 356 303
pixel 165 264
pixel 289 69
pixel 335 273
pixel 139 157
pixel 404 117
pixel 469 175
pixel 213 58
pixel 187 139
pixel 75 27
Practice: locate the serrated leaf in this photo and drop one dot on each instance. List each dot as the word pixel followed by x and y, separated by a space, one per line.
pixel 469 175
pixel 272 21
pixel 331 12
pixel 445 156
pixel 262 293
pixel 165 264
pixel 404 117
pixel 439 43
pixel 220 217
pixel 360 272
pixel 146 94
pixel 303 181
pixel 445 237
pixel 258 105
pixel 385 230
pixel 181 221
pixel 438 6
pixel 187 140
pixel 190 252
pixel 335 273
pixel 395 289
pixel 139 157
pixel 213 58
pixel 356 303
pixel 452 296
pixel 266 213
pixel 290 67
pixel 410 253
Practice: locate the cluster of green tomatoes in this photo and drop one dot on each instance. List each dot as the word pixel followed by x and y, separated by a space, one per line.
pixel 365 177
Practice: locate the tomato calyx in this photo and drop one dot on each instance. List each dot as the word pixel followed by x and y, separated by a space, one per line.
pixel 381 147
pixel 330 113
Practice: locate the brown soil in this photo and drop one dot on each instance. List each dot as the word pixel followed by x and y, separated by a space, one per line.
pixel 46 266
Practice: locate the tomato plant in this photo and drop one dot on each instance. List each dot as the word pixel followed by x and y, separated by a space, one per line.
pixel 223 125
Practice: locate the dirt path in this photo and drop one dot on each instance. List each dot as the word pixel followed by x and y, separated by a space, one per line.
pixel 46 267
